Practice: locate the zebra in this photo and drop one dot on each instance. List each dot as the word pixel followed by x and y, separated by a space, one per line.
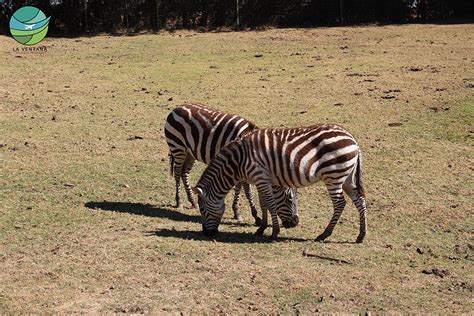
pixel 195 131
pixel 292 157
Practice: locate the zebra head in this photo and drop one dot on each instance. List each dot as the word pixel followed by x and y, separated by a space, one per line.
pixel 211 212
pixel 285 199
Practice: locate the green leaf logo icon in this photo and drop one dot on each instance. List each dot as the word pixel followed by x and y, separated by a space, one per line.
pixel 29 25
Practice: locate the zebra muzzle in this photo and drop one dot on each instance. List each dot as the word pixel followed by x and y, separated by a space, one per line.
pixel 209 232
pixel 296 220
pixel 291 223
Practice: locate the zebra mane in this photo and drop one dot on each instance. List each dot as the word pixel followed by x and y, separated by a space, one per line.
pixel 232 145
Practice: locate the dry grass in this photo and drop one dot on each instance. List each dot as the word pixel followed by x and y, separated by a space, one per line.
pixel 86 223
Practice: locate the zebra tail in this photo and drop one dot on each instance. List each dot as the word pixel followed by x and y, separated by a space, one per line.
pixel 358 176
pixel 171 164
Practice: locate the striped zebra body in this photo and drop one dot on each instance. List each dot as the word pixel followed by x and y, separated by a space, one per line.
pixel 294 157
pixel 197 132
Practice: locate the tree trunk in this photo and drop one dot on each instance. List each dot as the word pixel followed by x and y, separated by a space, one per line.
pixel 157 15
pixel 86 27
pixel 238 13
pixel 341 12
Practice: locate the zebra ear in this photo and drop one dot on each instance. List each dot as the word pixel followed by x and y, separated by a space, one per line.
pixel 197 191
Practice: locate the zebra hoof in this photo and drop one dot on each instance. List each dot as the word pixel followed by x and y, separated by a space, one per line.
pixel 179 206
pixel 258 221
pixel 259 231
pixel 360 239
pixel 321 238
pixel 272 239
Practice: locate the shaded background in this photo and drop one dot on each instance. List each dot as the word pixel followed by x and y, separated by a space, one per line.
pixel 72 17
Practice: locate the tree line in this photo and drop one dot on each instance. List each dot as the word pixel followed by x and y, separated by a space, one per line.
pixel 91 16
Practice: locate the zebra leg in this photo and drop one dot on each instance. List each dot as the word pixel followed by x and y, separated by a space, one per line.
pixel 267 203
pixel 235 203
pixel 178 167
pixel 187 166
pixel 338 201
pixel 263 224
pixel 248 194
pixel 359 202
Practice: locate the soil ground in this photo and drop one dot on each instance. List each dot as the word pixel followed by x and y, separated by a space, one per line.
pixel 86 222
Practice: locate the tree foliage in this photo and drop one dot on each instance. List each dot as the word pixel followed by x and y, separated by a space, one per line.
pixel 78 16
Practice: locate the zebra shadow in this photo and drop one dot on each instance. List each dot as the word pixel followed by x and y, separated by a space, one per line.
pixel 224 237
pixel 155 211
pixel 143 210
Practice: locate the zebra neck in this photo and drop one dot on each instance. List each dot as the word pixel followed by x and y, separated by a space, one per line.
pixel 221 177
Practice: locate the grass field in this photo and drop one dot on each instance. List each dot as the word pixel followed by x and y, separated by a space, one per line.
pixel 86 222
